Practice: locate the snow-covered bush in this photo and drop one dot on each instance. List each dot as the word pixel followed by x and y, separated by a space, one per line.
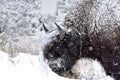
pixel 22 22
pixel 21 26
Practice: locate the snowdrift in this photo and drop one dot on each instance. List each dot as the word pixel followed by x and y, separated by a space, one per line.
pixel 25 67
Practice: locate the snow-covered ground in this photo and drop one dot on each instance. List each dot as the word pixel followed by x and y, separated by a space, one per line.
pixel 26 67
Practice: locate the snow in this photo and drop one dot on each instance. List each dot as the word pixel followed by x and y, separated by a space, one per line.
pixel 90 48
pixel 88 69
pixel 25 67
pixel 107 78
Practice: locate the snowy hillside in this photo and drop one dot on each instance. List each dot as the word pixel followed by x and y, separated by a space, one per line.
pixel 25 67
pixel 21 23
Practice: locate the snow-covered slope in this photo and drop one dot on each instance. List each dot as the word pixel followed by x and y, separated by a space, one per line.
pixel 26 67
